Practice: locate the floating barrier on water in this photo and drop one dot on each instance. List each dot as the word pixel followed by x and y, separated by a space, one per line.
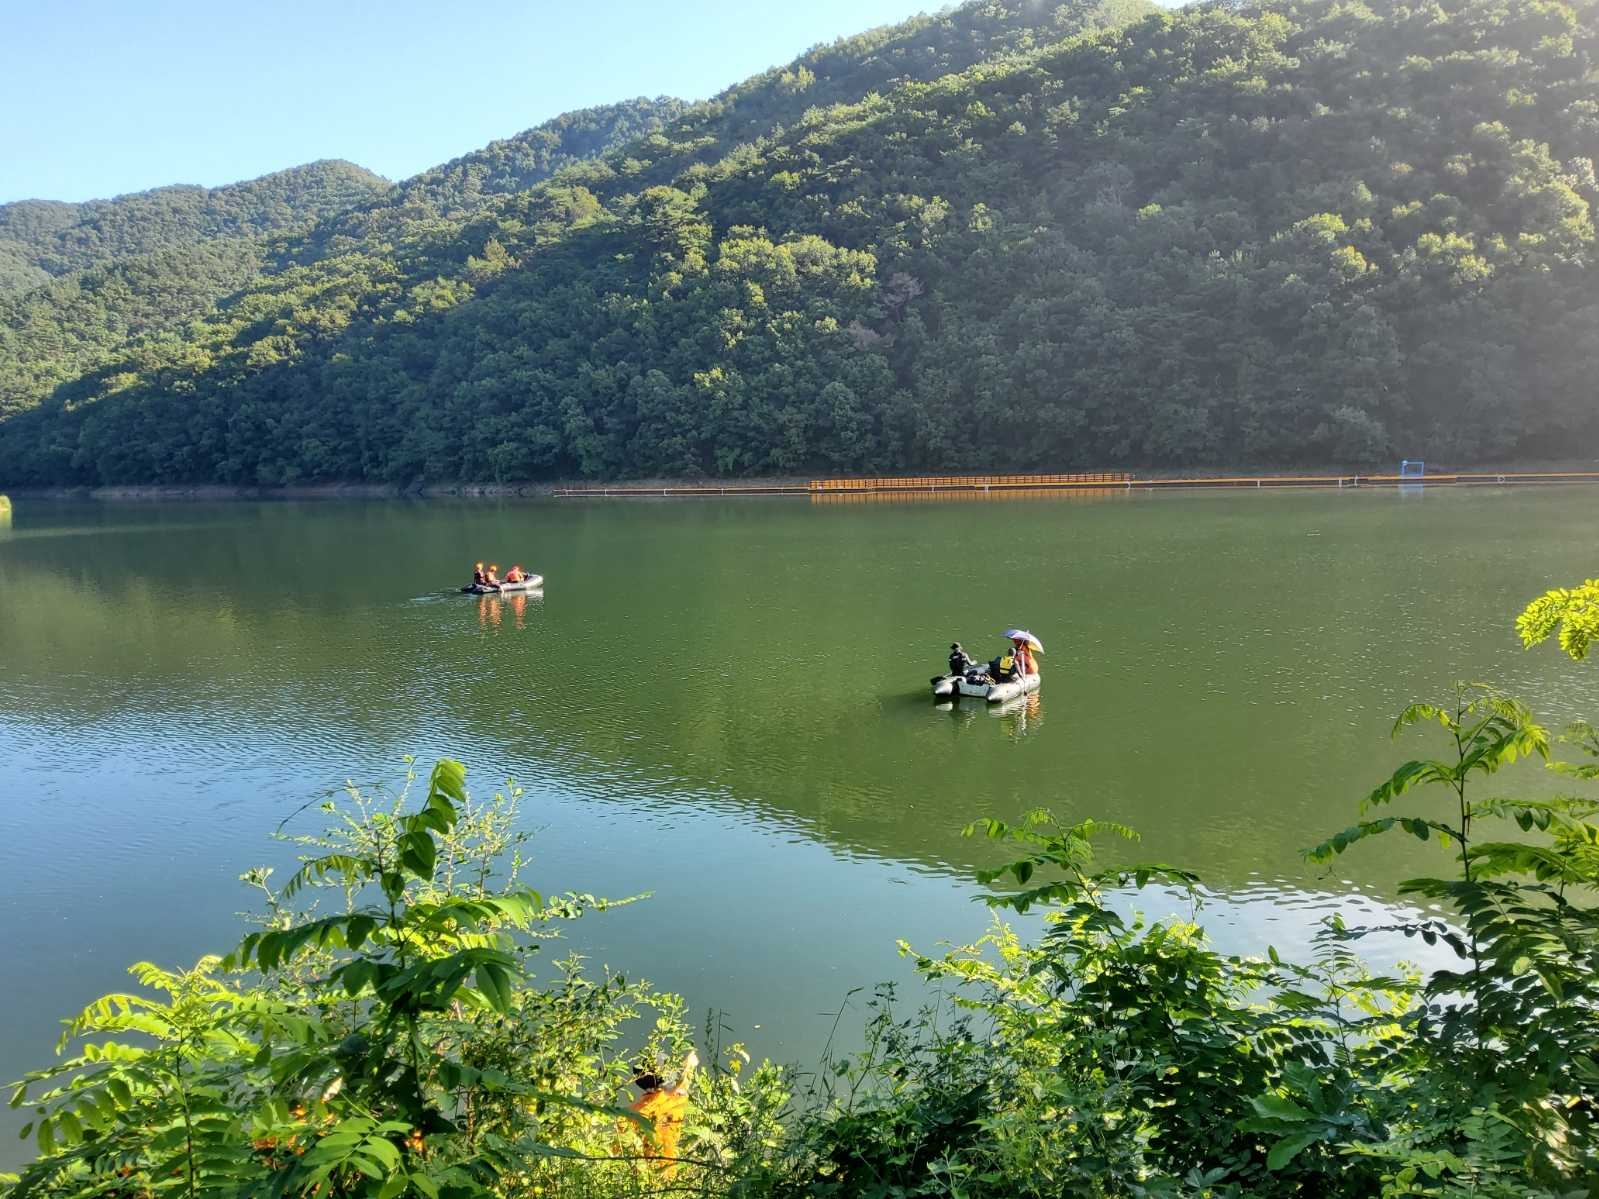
pixel 1073 495
pixel 994 486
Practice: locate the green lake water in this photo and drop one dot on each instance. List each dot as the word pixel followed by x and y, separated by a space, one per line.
pixel 725 703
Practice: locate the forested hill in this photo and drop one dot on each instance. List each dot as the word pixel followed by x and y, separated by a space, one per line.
pixel 651 141
pixel 41 238
pixel 1310 232
pixel 68 331
pixel 516 163
pixel 91 282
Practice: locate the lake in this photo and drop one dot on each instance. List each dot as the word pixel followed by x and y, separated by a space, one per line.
pixel 725 703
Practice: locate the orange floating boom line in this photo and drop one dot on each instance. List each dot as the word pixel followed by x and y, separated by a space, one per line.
pixel 931 482
pixel 1078 481
pixel 1251 481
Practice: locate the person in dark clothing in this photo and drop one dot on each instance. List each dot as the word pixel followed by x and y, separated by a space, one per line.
pixel 960 662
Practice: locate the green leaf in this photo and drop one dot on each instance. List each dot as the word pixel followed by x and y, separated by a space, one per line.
pixel 1277 1107
pixel 447 783
pixel 1407 776
pixel 357 929
pixel 419 854
pixel 383 1151
pixel 1285 1150
pixel 493 982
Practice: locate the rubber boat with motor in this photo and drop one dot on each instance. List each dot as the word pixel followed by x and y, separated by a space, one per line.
pixel 528 583
pixel 954 686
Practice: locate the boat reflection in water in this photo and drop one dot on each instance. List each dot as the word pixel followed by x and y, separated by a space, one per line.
pixel 491 608
pixel 1020 715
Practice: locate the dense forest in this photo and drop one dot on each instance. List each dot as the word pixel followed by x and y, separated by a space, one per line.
pixel 87 281
pixel 1097 235
pixel 55 239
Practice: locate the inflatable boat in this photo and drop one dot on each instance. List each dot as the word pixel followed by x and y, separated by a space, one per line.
pixel 530 583
pixel 954 686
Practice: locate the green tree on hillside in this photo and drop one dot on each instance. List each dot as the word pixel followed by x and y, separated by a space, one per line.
pixel 1302 233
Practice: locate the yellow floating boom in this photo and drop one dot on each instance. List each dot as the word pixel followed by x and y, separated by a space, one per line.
pixel 952 486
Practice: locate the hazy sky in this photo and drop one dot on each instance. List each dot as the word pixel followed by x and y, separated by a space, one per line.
pixel 102 97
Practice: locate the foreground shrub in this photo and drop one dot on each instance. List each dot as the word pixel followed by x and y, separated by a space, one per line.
pixel 397 1045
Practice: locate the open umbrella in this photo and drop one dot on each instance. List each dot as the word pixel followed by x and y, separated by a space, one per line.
pixel 1024 635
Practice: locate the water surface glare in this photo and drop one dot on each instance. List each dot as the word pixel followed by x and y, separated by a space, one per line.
pixel 724 703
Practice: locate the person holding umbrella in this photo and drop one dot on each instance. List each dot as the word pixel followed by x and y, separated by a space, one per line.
pixel 1023 647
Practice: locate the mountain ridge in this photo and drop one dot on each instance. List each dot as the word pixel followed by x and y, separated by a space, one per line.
pixel 65 313
pixel 59 237
pixel 1297 232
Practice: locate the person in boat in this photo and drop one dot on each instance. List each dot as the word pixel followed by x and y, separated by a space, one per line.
pixel 514 575
pixel 479 579
pixel 493 579
pixel 960 662
pixel 1005 668
pixel 1025 662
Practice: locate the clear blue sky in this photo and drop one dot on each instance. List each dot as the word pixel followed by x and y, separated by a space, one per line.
pixel 103 97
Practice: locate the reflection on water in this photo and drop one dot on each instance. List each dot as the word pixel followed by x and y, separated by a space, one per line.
pixel 1065 495
pixel 726 703
pixel 1020 714
pixel 492 609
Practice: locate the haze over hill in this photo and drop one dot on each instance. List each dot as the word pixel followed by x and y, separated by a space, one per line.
pixel 1004 237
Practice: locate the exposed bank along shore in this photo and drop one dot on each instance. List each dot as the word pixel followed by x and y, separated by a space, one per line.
pixel 993 485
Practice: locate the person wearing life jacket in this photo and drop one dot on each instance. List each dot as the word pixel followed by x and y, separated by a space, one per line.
pixel 960 662
pixel 493 579
pixel 479 579
pixel 1005 668
pixel 514 575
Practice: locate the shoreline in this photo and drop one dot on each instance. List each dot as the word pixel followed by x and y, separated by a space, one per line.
pixel 198 492
pixel 137 493
pixel 733 487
